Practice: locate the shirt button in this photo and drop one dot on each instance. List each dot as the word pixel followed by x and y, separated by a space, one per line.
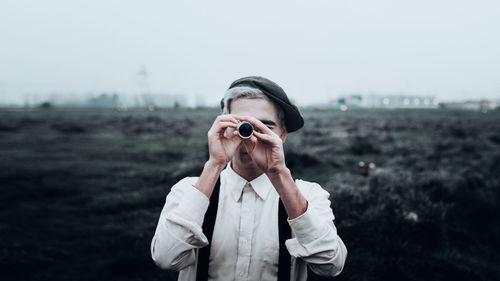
pixel 241 273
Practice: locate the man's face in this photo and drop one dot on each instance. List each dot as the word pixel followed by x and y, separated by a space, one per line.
pixel 263 110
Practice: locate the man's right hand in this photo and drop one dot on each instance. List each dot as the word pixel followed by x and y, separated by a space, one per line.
pixel 222 142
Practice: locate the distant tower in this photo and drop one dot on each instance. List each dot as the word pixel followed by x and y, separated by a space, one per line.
pixel 142 80
pixel 143 84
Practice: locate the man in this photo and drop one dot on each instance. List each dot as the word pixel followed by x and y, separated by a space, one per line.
pixel 255 202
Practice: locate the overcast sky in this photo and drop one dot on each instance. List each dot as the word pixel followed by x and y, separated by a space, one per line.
pixel 314 49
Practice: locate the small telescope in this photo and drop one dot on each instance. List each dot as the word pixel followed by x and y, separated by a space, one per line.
pixel 245 130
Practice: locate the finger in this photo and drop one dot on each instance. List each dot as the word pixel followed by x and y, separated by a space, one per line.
pixel 265 137
pixel 249 146
pixel 223 125
pixel 235 141
pixel 219 127
pixel 223 119
pixel 229 132
pixel 227 118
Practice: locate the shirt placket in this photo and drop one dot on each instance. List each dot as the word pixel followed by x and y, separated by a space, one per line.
pixel 246 232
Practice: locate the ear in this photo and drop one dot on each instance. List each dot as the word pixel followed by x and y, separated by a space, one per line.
pixel 283 135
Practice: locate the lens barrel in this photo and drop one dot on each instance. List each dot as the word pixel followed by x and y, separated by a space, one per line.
pixel 245 130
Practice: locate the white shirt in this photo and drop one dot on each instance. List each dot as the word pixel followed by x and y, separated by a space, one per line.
pixel 245 244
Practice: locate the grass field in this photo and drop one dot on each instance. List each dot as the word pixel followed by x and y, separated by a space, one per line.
pixel 82 189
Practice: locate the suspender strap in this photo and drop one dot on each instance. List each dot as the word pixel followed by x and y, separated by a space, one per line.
pixel 284 233
pixel 208 230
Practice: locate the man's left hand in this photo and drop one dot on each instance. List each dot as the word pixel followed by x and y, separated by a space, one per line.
pixel 265 147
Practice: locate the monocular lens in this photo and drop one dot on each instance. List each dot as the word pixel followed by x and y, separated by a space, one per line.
pixel 245 130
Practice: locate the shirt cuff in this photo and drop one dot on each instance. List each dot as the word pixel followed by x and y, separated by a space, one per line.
pixel 194 204
pixel 307 227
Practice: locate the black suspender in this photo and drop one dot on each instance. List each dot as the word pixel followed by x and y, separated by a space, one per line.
pixel 285 232
pixel 208 229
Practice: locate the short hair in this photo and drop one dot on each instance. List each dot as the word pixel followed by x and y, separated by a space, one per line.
pixel 250 93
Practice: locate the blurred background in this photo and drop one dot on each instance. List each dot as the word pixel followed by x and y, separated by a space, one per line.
pixel 104 105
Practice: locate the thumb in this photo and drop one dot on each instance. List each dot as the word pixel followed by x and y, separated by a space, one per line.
pixel 249 145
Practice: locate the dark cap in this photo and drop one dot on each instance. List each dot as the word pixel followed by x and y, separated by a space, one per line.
pixel 293 118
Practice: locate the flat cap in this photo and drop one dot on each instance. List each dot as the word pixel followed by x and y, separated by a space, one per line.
pixel 293 118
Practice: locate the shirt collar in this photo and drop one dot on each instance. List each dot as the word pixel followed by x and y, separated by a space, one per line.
pixel 261 185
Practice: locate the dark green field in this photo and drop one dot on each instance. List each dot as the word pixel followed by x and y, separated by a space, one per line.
pixel 81 190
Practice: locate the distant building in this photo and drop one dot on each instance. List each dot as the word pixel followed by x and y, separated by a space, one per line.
pixel 385 101
pixel 164 100
pixel 400 101
pixel 482 105
pixel 104 100
pixel 351 101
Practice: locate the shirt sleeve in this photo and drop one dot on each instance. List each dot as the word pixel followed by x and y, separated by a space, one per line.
pixel 315 238
pixel 179 230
